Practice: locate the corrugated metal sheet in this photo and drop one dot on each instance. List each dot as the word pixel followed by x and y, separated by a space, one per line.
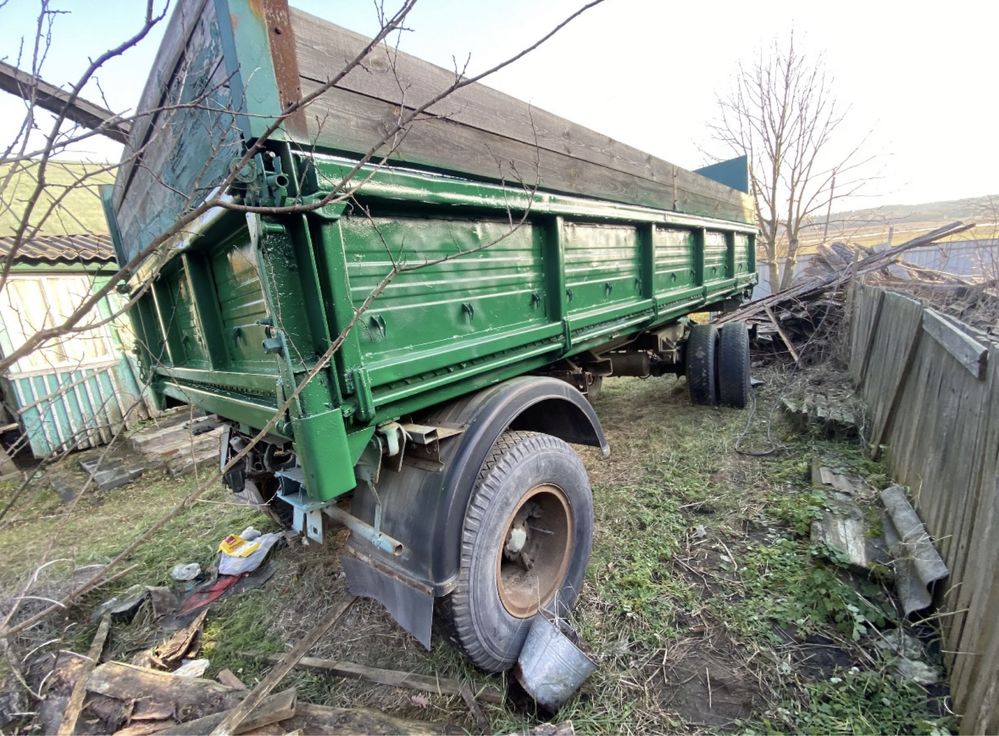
pixel 76 409
pixel 79 390
pixel 81 248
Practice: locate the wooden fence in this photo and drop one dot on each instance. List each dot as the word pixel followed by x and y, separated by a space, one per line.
pixel 931 385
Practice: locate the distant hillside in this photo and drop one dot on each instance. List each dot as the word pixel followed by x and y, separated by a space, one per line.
pixel 902 222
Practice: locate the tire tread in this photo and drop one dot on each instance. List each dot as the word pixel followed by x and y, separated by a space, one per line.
pixel 455 609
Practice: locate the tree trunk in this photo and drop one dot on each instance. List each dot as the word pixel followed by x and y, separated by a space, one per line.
pixel 774 267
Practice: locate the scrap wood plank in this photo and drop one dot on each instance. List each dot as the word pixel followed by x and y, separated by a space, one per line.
pixel 783 335
pixel 395 678
pixel 903 318
pixel 76 698
pixel 870 331
pixel 966 350
pixel 322 719
pixel 128 682
pixel 272 709
pixel 235 717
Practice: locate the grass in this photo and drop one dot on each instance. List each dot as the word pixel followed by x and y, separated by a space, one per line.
pixel 706 604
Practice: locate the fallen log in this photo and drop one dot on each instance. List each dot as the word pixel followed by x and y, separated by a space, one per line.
pixel 189 697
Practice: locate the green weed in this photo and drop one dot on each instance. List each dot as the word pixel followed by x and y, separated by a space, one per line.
pixel 858 702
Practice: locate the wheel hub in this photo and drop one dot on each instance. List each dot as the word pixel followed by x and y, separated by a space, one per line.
pixel 536 551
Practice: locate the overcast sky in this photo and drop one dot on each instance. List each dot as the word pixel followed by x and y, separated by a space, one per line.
pixel 919 78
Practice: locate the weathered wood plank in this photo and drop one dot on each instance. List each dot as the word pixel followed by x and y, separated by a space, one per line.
pixel 966 350
pixel 348 122
pixel 175 37
pixel 234 718
pixel 77 696
pixel 902 318
pixel 871 299
pixel 128 682
pixel 57 100
pixel 491 119
pixel 272 709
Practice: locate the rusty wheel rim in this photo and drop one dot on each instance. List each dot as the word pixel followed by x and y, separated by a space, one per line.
pixel 535 552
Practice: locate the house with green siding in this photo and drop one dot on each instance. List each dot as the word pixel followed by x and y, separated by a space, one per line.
pixel 77 390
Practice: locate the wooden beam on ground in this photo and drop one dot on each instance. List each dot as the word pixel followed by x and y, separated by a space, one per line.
pixel 272 709
pixel 49 97
pixel 238 714
pixel 128 682
pixel 75 705
pixel 395 678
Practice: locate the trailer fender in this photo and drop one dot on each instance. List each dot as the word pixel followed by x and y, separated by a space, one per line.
pixel 424 506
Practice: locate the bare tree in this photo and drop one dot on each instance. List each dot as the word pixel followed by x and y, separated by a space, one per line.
pixel 783 115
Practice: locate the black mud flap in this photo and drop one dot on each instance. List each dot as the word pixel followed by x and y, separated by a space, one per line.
pixel 410 605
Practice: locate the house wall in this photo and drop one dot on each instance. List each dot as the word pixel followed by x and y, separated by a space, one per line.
pixel 78 390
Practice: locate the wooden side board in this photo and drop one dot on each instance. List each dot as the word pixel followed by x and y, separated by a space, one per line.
pixel 227 69
pixel 481 132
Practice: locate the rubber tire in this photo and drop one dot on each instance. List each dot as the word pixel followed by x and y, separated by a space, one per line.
pixel 474 616
pixel 733 365
pixel 701 368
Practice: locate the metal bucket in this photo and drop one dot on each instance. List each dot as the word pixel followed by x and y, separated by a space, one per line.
pixel 551 667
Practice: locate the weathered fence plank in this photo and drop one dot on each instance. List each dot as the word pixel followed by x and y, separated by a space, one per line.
pixel 932 390
pixel 966 350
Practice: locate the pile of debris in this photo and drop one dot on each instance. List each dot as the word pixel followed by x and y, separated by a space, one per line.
pixel 798 321
pixel 164 688
pixel 974 301
pixel 897 549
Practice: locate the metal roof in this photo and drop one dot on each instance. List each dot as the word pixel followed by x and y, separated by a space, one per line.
pixel 82 248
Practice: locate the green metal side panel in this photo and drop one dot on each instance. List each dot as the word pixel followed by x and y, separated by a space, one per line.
pixel 715 247
pixel 176 308
pixel 477 300
pixel 602 267
pixel 674 260
pixel 446 314
pixel 241 305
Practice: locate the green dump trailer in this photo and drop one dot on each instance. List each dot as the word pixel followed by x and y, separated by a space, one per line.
pixel 475 279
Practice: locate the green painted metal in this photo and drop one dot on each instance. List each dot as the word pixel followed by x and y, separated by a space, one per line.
pixel 732 173
pixel 241 315
pixel 490 281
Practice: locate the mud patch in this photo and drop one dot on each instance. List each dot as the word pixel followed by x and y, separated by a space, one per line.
pixel 705 689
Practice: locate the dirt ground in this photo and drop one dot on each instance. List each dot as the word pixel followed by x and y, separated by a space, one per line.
pixel 706 604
